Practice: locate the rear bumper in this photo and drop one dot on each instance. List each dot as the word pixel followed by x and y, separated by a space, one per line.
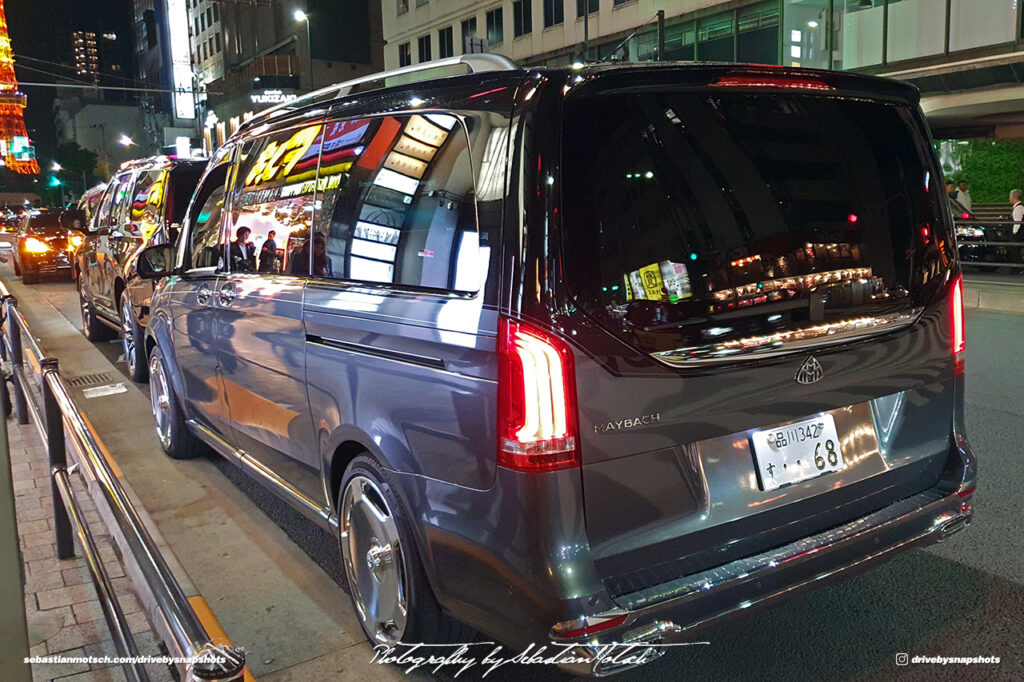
pixel 674 611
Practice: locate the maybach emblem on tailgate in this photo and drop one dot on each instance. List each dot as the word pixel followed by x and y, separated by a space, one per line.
pixel 628 423
pixel 810 372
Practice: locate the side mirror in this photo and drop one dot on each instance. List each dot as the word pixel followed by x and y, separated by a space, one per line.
pixel 73 219
pixel 156 261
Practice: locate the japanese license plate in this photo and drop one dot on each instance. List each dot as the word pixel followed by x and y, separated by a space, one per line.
pixel 796 452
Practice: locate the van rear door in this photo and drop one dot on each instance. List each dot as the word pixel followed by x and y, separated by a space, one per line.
pixel 764 266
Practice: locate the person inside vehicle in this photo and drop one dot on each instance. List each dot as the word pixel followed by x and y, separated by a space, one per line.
pixel 242 252
pixel 268 254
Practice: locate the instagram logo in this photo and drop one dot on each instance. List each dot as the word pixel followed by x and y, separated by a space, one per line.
pixel 902 659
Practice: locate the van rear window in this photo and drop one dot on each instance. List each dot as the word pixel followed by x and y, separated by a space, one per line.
pixel 707 223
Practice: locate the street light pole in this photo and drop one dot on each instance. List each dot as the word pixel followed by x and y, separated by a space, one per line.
pixel 303 17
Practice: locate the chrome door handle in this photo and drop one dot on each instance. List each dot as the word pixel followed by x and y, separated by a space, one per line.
pixel 203 294
pixel 227 294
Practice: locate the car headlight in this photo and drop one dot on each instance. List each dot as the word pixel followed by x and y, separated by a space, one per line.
pixel 74 241
pixel 33 245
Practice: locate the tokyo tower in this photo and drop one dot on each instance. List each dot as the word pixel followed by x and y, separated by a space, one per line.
pixel 15 152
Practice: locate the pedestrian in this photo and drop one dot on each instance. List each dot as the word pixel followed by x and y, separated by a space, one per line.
pixel 1017 201
pixel 242 252
pixel 950 189
pixel 963 195
pixel 268 254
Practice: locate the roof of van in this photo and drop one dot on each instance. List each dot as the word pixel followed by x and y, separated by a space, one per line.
pixel 160 162
pixel 724 74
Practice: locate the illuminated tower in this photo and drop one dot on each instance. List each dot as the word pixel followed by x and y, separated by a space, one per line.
pixel 15 151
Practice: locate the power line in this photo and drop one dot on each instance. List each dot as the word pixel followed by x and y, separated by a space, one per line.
pixel 90 86
pixel 21 57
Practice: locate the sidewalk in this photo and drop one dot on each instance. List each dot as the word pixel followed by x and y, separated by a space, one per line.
pixel 995 292
pixel 63 613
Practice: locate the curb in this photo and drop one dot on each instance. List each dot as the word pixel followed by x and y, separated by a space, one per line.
pixel 1005 298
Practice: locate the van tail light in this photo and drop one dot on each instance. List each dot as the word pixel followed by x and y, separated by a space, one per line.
pixel 772 81
pixel 536 400
pixel 959 330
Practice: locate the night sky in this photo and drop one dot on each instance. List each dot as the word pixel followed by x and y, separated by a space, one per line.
pixel 42 29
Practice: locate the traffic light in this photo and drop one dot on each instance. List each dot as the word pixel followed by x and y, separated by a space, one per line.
pixel 54 181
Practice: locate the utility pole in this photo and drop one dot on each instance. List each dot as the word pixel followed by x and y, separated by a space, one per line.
pixel 661 35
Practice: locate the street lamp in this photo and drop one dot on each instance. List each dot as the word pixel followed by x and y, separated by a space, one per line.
pixel 125 141
pixel 56 167
pixel 303 17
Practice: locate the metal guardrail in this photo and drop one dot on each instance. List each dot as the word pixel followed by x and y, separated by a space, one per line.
pixel 1000 251
pixel 59 421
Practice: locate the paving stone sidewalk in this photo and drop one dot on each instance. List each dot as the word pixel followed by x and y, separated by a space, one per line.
pixel 63 613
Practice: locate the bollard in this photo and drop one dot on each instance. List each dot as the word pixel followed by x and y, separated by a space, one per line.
pixel 17 361
pixel 55 446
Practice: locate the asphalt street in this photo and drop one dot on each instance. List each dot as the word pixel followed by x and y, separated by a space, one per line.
pixel 964 597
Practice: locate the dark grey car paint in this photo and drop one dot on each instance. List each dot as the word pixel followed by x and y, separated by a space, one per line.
pixel 400 374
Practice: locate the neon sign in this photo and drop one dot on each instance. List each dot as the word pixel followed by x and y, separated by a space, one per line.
pixel 279 158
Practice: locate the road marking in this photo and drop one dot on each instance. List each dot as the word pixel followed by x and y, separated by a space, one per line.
pixel 100 391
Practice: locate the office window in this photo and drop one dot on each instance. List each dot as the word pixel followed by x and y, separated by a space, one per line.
pixel 522 17
pixel 973 23
pixel 420 3
pixel 444 43
pixel 423 48
pixel 468 31
pixel 757 33
pixel 582 9
pixel 495 27
pixel 197 27
pixel 715 38
pixel 405 216
pixel 806 26
pixel 554 12
pixel 404 54
pixel 216 37
pixel 216 13
pixel 209 16
pixel 616 3
pixel 202 22
pixel 403 6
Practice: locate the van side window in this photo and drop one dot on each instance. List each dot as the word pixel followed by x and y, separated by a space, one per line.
pixel 147 205
pixel 120 200
pixel 399 205
pixel 205 248
pixel 273 193
pixel 112 200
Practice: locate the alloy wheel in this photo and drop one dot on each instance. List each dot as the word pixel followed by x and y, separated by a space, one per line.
pixel 160 395
pixel 374 562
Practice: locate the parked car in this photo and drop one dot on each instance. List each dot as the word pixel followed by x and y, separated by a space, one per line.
pixel 10 220
pixel 43 246
pixel 143 204
pixel 90 201
pixel 589 355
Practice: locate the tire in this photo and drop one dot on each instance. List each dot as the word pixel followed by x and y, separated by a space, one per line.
pixel 30 277
pixel 132 342
pixel 17 268
pixel 92 328
pixel 172 432
pixel 364 497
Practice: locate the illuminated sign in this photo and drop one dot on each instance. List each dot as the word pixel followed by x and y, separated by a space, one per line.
pixel 272 97
pixel 181 59
pixel 279 158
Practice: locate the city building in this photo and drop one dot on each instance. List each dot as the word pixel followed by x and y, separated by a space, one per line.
pixel 113 131
pixel 251 55
pixel 163 63
pixel 963 54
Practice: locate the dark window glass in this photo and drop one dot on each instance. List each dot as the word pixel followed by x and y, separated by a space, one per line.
pixel 554 12
pixel 275 190
pixel 616 3
pixel 495 27
pixel 44 221
pixel 702 220
pixel 205 246
pixel 184 179
pixel 404 54
pixel 444 43
pixel 405 212
pixel 423 48
pixel 583 9
pixel 468 31
pixel 757 37
pixel 403 6
pixel 522 17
